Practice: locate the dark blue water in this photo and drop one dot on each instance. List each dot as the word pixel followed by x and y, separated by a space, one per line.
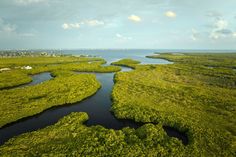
pixel 97 107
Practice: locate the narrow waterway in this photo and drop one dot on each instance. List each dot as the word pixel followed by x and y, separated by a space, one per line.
pixel 38 78
pixel 97 107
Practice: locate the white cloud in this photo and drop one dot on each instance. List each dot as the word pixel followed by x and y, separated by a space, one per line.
pixel 214 35
pixel 11 30
pixel 234 34
pixel 221 30
pixel 170 14
pixel 91 23
pixel 6 27
pixel 195 35
pixel 123 38
pixel 65 26
pixel 134 18
pixel 118 35
pixel 71 26
pixel 28 2
pixel 221 24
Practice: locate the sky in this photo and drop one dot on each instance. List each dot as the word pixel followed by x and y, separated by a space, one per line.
pixel 118 24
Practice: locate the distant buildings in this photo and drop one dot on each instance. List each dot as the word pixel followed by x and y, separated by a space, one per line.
pixel 10 54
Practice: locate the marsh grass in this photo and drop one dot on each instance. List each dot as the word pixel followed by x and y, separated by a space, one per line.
pixel 186 95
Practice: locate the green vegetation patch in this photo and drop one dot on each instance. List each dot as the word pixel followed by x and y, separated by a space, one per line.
pixel 211 60
pixel 126 62
pixel 21 61
pixel 23 102
pixel 82 67
pixel 17 75
pixel 190 97
pixel 13 78
pixel 69 137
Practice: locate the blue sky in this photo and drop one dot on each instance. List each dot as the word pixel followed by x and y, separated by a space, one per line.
pixel 152 24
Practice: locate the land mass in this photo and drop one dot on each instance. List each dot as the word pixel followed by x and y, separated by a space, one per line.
pixel 196 95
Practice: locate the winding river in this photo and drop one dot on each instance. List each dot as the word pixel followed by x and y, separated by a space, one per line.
pixel 97 107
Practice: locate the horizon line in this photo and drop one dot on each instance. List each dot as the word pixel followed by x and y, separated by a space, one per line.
pixel 62 49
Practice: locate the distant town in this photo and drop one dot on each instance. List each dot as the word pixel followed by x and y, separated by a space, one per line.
pixel 6 54
pixel 17 53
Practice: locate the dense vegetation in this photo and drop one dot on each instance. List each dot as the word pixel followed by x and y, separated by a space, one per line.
pixel 17 76
pixel 126 62
pixel 196 95
pixel 69 137
pixel 16 62
pixel 13 78
pixel 205 59
pixel 84 67
pixel 64 89
pixel 187 95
